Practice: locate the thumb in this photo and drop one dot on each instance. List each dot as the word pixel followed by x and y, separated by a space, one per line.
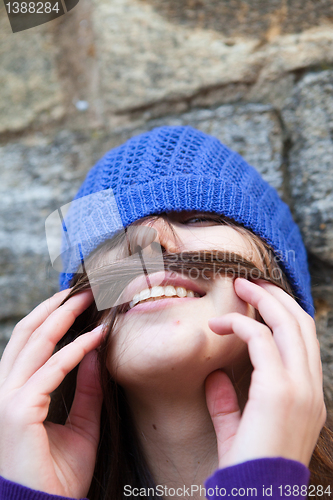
pixel 86 408
pixel 224 410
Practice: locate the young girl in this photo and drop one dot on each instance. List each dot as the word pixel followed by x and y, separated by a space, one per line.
pixel 185 348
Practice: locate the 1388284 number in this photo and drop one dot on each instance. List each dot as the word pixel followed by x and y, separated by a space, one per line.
pixel 32 8
pixel 304 491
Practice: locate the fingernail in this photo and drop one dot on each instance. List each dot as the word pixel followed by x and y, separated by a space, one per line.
pixel 98 329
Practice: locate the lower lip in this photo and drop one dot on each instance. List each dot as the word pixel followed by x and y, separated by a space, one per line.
pixel 157 305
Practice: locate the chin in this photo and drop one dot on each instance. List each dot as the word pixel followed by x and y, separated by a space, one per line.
pixel 173 368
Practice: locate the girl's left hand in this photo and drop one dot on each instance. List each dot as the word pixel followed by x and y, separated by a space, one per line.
pixel 285 410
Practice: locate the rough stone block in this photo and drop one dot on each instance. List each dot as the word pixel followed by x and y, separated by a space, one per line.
pixel 30 89
pixel 308 116
pixel 38 175
pixel 256 18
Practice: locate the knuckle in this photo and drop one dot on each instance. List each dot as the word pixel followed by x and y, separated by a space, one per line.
pixel 311 401
pixel 310 325
pixel 35 334
pixel 70 313
pixel 298 396
pixel 283 391
pixel 55 364
pixel 262 332
pixel 281 398
pixel 310 322
pixel 21 325
pixel 265 330
pixel 81 343
pixel 305 399
pixel 293 325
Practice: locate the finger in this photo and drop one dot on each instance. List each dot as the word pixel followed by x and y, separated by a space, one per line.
pixel 285 327
pixel 84 416
pixel 42 342
pixel 277 407
pixel 224 410
pixel 25 327
pixel 307 324
pixel 51 374
pixel 263 350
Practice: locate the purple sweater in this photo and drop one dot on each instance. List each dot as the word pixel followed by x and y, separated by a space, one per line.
pixel 279 478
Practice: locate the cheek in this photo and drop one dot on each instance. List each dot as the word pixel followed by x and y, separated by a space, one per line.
pixel 161 337
pixel 151 347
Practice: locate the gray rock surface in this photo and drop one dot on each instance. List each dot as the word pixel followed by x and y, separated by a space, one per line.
pixel 37 176
pixel 30 89
pixel 154 60
pixel 308 116
pixel 256 18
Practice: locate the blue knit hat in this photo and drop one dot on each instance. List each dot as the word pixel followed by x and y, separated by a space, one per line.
pixel 180 168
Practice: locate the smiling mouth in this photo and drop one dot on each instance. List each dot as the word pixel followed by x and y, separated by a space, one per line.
pixel 159 293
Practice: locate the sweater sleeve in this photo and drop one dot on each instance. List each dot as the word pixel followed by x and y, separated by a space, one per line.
pixel 263 478
pixel 275 478
pixel 14 491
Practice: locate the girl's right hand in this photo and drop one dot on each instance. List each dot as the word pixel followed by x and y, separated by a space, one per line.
pixel 56 459
pixel 285 411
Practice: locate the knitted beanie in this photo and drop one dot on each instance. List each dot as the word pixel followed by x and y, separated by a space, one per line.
pixel 180 168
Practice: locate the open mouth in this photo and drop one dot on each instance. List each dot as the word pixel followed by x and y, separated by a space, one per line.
pixel 159 286
pixel 161 292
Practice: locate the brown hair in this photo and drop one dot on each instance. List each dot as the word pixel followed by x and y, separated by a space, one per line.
pixel 120 458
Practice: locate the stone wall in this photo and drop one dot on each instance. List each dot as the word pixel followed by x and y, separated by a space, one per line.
pixel 257 75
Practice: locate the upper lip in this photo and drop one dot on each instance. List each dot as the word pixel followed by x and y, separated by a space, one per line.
pixel 162 278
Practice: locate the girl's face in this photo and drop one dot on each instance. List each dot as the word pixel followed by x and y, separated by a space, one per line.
pixel 167 343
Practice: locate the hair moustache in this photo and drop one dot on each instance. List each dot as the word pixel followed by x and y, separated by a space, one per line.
pixel 112 278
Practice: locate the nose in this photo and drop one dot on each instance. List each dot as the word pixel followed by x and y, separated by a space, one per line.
pixel 158 234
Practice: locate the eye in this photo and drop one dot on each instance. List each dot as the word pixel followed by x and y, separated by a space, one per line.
pixel 200 219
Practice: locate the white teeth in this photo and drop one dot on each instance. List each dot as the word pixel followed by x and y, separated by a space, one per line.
pixel 136 298
pixel 170 291
pixel 181 291
pixel 145 294
pixel 161 291
pixel 157 291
